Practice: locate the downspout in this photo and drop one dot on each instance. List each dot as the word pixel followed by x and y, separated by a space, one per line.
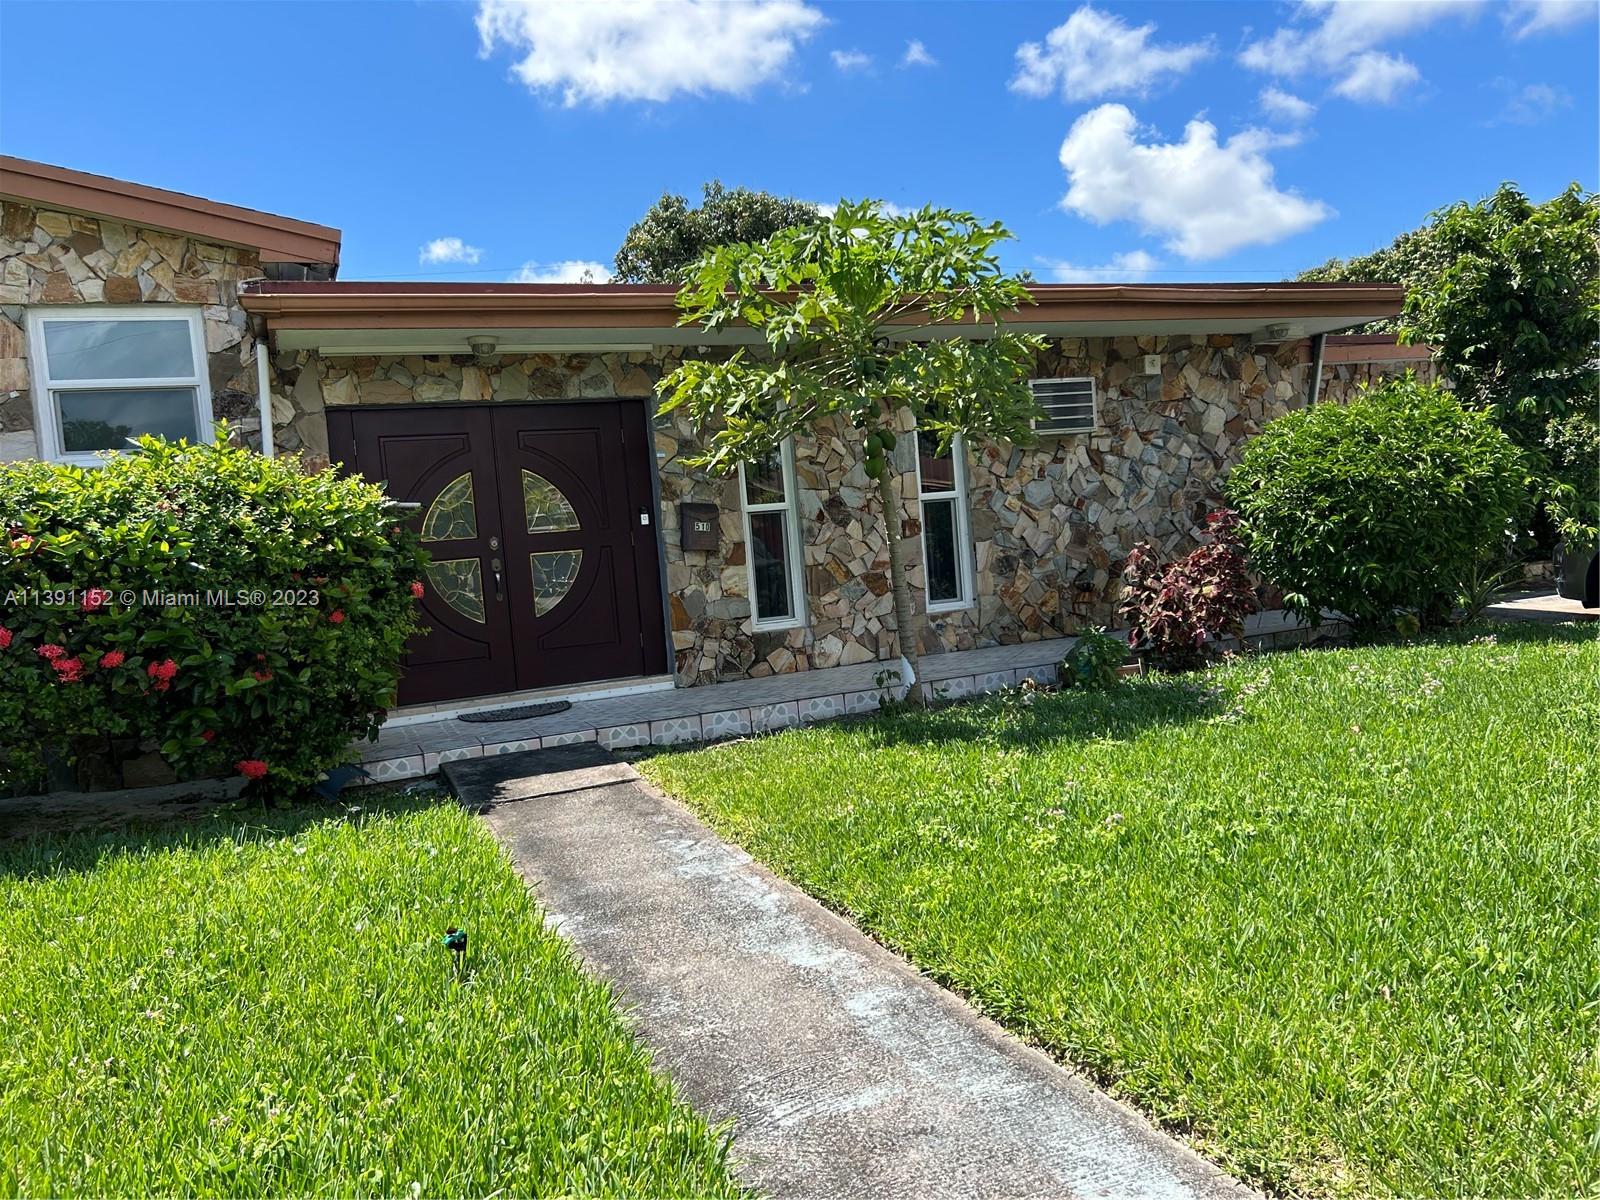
pixel 1315 385
pixel 264 393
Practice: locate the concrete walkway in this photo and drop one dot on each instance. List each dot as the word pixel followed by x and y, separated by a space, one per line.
pixel 1544 606
pixel 845 1072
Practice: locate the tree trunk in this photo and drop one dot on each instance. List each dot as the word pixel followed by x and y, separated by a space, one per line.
pixel 905 632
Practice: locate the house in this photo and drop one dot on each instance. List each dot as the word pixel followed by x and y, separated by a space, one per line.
pixel 571 547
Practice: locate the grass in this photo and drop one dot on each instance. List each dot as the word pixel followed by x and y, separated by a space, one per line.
pixel 264 1007
pixel 1333 915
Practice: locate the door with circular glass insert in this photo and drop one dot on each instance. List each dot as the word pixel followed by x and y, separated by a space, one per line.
pixel 576 495
pixel 538 523
pixel 443 460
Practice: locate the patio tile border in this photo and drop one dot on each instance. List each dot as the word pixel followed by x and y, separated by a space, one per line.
pixel 742 707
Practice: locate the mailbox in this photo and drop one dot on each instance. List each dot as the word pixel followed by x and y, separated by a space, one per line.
pixel 698 526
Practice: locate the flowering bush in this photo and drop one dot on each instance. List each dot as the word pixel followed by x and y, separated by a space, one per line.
pixel 243 616
pixel 1178 611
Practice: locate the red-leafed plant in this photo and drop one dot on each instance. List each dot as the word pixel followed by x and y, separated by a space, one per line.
pixel 1177 612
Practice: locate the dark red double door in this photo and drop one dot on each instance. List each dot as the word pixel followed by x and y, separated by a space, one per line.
pixel 538 521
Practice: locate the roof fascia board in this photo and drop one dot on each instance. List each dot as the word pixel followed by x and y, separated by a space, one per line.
pixel 274 238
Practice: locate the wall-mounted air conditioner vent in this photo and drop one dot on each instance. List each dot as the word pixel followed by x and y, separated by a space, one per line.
pixel 1068 405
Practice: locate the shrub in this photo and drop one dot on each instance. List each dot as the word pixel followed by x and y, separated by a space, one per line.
pixel 1390 502
pixel 1573 500
pixel 1093 661
pixel 244 616
pixel 1177 612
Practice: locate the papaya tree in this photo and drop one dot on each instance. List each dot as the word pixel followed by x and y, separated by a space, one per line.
pixel 865 316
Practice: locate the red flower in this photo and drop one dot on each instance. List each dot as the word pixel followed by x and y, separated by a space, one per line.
pixel 52 651
pixel 208 735
pixel 5 638
pixel 68 670
pixel 95 598
pixel 262 676
pixel 336 617
pixel 163 670
pixel 250 768
pixel 416 588
pixel 112 658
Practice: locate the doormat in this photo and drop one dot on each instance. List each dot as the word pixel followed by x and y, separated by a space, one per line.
pixel 518 712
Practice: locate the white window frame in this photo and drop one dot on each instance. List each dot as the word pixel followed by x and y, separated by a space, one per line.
pixel 965 572
pixel 791 527
pixel 48 415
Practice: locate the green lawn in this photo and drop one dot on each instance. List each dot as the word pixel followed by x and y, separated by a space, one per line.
pixel 1333 915
pixel 263 1006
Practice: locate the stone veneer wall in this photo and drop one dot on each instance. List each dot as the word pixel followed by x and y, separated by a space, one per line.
pixel 1042 517
pixel 1341 382
pixel 62 258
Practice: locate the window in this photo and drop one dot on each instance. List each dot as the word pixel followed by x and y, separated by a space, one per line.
pixel 946 547
pixel 105 375
pixel 1068 405
pixel 772 540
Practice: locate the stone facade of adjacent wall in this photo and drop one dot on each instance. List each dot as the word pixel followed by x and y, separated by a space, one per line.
pixel 51 257
pixel 1045 519
pixel 1342 382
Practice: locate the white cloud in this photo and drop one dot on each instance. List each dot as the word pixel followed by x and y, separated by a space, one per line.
pixel 448 250
pixel 1131 267
pixel 1530 104
pixel 890 209
pixel 1340 38
pixel 1096 54
pixel 850 60
pixel 573 270
pixel 646 49
pixel 917 55
pixel 1207 198
pixel 1528 17
pixel 1286 106
pixel 1377 78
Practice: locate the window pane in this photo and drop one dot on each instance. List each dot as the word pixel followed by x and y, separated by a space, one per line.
pixel 459 583
pixel 546 507
pixel 938 471
pixel 769 550
pixel 118 349
pixel 939 536
pixel 763 481
pixel 554 573
pixel 105 418
pixel 453 515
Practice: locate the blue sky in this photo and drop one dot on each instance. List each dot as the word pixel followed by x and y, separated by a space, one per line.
pixel 1176 141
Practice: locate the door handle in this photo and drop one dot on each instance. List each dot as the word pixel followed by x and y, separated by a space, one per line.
pixel 499 579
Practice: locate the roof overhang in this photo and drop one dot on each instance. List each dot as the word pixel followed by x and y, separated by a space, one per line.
pixel 413 318
pixel 274 238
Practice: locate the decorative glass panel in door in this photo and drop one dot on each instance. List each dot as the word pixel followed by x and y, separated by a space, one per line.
pixel 547 510
pixel 554 573
pixel 459 583
pixel 453 516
